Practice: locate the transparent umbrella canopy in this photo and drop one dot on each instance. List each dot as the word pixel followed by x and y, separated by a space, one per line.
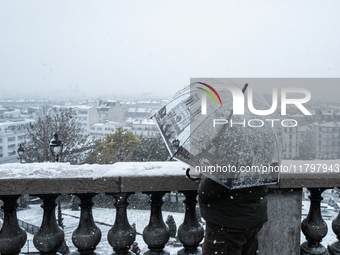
pixel 236 150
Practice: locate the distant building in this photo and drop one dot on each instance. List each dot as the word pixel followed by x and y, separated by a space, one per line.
pixel 85 115
pixel 110 110
pixel 23 104
pixel 34 112
pixel 2 111
pixel 292 142
pixel 128 104
pixel 304 120
pixel 328 115
pixel 89 115
pixel 99 130
pixel 109 114
pixel 145 127
pixel 149 104
pixel 306 142
pixel 327 140
pixel 138 113
pixel 12 133
pixel 311 118
pixel 12 114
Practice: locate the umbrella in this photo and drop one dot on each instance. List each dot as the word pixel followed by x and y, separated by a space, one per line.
pixel 217 143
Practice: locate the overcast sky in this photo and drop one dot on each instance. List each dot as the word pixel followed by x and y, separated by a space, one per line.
pixel 157 46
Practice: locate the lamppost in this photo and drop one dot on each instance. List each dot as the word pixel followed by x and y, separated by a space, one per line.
pixel 20 152
pixel 56 147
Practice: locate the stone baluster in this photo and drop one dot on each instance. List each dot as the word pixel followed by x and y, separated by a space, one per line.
pixel 334 249
pixel 122 235
pixel 156 234
pixel 12 236
pixel 87 235
pixel 50 236
pixel 190 232
pixel 314 227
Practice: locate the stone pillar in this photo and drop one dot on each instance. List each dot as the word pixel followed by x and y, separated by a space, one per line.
pixel 122 235
pixel 156 233
pixel 12 237
pixel 87 235
pixel 190 232
pixel 334 249
pixel 314 227
pixel 50 236
pixel 281 234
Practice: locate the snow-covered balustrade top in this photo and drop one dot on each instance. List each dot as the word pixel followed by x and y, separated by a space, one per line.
pixel 281 235
pixel 54 178
pixel 309 174
pixel 47 178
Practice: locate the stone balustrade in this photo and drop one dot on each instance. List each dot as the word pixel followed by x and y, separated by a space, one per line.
pixel 281 235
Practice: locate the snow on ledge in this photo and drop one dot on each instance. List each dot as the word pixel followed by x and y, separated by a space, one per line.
pixel 66 170
pixel 124 169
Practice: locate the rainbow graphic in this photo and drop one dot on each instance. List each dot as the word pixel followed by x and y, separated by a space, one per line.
pixel 209 93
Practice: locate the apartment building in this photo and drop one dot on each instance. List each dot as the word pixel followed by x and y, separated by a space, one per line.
pixel 327 140
pixel 110 110
pixel 292 142
pixel 145 127
pixel 12 133
pixel 85 115
pixel 99 130
pixel 138 113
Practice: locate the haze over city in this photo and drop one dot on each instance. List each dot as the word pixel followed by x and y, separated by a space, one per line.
pixel 113 47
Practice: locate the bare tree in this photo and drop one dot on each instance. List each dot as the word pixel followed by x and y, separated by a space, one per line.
pixel 40 133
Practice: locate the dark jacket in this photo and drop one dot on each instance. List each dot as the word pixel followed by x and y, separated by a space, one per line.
pixel 238 209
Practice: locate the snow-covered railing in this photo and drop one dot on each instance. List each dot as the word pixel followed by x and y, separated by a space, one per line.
pixel 57 178
pixel 49 180
pixel 281 235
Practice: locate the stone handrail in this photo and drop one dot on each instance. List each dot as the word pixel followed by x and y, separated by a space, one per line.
pixel 57 178
pixel 120 180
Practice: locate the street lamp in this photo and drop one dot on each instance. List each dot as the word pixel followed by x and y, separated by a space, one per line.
pixel 20 152
pixel 56 147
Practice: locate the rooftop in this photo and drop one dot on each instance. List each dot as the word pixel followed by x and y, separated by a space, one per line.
pixel 6 122
pixel 144 122
pixel 328 124
pixel 137 110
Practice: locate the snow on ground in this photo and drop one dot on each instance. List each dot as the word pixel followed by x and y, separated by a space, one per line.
pixel 29 246
pixel 104 215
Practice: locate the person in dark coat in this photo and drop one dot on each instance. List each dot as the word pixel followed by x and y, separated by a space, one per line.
pixel 233 217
